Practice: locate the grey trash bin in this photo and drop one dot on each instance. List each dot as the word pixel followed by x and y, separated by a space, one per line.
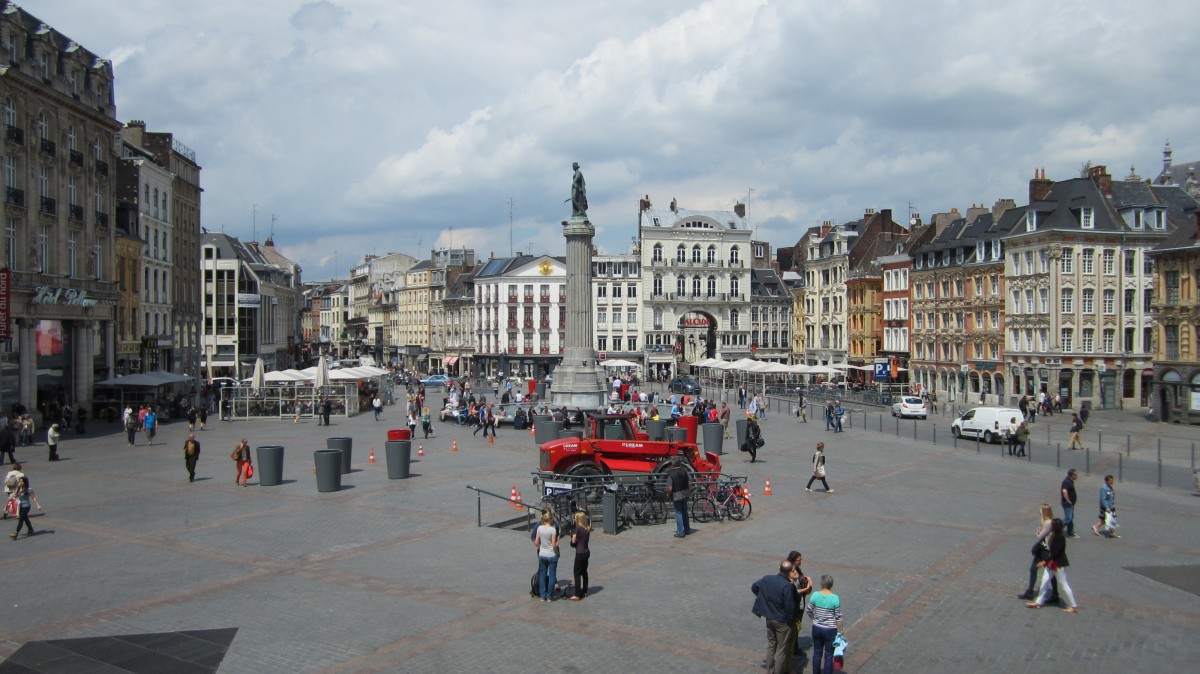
pixel 553 428
pixel 609 510
pixel 541 429
pixel 399 454
pixel 713 437
pixel 657 429
pixel 539 389
pixel 677 434
pixel 345 445
pixel 270 465
pixel 740 436
pixel 329 469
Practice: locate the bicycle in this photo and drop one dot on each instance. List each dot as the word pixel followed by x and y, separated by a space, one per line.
pixel 642 504
pixel 723 499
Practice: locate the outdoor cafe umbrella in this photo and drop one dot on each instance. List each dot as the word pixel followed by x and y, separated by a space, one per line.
pixel 258 380
pixel 321 379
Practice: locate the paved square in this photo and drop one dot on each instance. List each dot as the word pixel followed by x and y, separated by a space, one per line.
pixel 929 546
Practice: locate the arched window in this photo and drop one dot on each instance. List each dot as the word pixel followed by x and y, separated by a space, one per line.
pixel 681 253
pixel 658 318
pixel 712 286
pixel 733 319
pixel 733 255
pixel 657 255
pixel 43 127
pixel 696 286
pixel 696 253
pixel 166 296
pixel 146 287
pixel 10 112
pixel 657 285
pixel 712 254
pixel 734 287
pixel 681 286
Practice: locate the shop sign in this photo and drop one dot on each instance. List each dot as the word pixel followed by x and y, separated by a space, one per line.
pixel 67 296
pixel 249 300
pixel 5 298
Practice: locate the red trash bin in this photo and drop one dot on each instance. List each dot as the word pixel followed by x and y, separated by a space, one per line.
pixel 532 386
pixel 690 423
pixel 399 434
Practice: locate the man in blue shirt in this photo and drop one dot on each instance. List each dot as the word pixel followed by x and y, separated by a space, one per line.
pixel 151 422
pixel 776 600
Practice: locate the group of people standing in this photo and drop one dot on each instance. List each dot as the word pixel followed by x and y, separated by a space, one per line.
pixel 782 600
pixel 546 539
pixel 18 500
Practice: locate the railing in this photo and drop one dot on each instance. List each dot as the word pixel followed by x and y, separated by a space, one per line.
pixel 101 219
pixel 15 134
pixel 75 157
pixel 101 167
pixel 76 212
pixel 14 196
pixel 544 299
pixel 48 147
pixel 512 298
pixel 529 298
pixel 49 206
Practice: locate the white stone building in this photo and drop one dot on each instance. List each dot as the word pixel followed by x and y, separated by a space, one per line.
pixel 520 314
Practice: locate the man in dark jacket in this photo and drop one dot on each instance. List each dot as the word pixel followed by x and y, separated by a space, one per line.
pixel 776 600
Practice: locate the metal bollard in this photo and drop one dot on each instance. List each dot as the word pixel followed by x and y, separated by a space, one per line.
pixel 976 443
pixel 1120 468
pixel 897 427
pixel 1160 463
pixel 1128 445
pixel 935 437
pixel 1100 441
pixel 880 423
pixel 1029 452
pixel 914 430
pixel 1193 456
pixel 1058 455
pixel 1087 460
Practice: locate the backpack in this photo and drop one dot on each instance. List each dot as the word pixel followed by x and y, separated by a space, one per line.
pixel 236 454
pixel 11 483
pixel 130 424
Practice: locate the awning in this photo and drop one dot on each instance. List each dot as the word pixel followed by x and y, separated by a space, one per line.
pixel 449 360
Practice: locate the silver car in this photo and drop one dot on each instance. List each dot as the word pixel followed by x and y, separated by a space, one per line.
pixel 910 406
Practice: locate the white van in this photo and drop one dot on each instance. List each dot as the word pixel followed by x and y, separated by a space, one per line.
pixel 986 423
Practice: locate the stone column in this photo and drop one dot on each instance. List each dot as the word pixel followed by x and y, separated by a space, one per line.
pixel 110 348
pixel 81 357
pixel 578 382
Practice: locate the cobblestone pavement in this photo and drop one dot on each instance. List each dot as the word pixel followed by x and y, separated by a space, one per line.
pixel 928 544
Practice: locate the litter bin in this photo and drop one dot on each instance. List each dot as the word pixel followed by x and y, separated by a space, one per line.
pixel 541 429
pixel 399 434
pixel 553 428
pixel 532 386
pixel 329 469
pixel 677 434
pixel 540 390
pixel 713 438
pixel 690 423
pixel 345 445
pixel 657 429
pixel 270 465
pixel 741 432
pixel 399 454
pixel 609 509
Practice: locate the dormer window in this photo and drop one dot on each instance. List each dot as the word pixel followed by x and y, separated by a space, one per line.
pixel 980 251
pixel 1031 221
pixel 1087 218
pixel 958 256
pixel 996 250
pixel 920 262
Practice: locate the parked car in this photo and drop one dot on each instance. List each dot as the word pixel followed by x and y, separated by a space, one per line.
pixel 436 380
pixel 986 423
pixel 910 406
pixel 684 384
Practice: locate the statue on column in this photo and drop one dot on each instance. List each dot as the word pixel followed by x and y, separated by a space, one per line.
pixel 578 194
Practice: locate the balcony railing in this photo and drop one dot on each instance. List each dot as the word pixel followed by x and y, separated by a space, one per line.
pixel 529 299
pixel 528 325
pixel 562 299
pixel 49 206
pixel 544 325
pixel 545 349
pixel 48 147
pixel 75 157
pixel 512 298
pixel 76 211
pixel 544 299
pixel 101 167
pixel 14 196
pixel 101 219
pixel 529 350
pixel 14 133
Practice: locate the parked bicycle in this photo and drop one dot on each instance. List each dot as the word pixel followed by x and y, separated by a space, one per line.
pixel 727 498
pixel 642 504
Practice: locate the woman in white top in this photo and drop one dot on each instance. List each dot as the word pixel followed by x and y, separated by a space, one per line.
pixel 545 541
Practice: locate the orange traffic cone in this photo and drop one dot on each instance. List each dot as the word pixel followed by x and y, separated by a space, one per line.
pixel 767 491
pixel 372 459
pixel 454 447
pixel 420 450
pixel 531 429
pixel 520 502
pixel 513 494
pixel 491 439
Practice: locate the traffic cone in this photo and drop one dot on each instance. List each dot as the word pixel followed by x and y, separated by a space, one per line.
pixel 454 447
pixel 491 439
pixel 767 491
pixel 372 458
pixel 520 502
pixel 420 450
pixel 531 429
pixel 513 494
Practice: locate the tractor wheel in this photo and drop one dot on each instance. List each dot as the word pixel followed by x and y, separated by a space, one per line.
pixel 583 474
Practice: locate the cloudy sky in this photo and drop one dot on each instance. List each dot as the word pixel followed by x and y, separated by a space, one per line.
pixel 374 126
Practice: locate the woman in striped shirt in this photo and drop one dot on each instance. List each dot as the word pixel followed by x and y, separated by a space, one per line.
pixel 825 610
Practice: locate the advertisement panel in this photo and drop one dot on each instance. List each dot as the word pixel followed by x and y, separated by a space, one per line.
pixel 5 298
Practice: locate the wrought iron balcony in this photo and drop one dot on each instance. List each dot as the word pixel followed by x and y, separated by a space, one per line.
pixel 75 157
pixel 49 205
pixel 14 134
pixel 101 167
pixel 101 219
pixel 76 212
pixel 14 196
pixel 48 147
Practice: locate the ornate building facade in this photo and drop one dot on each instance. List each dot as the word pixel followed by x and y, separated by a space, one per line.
pixel 1177 305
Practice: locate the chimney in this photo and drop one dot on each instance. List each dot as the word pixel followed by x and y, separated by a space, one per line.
pixel 1002 205
pixel 1039 187
pixel 888 225
pixel 868 213
pixel 1099 175
pixel 975 211
pixel 644 205
pixel 825 227
pixel 1167 157
pixel 739 209
pixel 674 206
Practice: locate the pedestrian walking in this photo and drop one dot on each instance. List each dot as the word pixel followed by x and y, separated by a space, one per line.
pixel 24 496
pixel 545 541
pixel 151 423
pixel 1076 427
pixel 1022 438
pixel 1010 432
pixel 825 610
pixel 131 429
pixel 1038 553
pixel 1108 510
pixel 801 410
pixel 838 413
pixel 818 469
pixel 753 437
pixel 8 444
pixel 724 418
pixel 192 415
pixel 741 396
pixel 326 409
pixel 28 428
pixel 52 438
pixel 203 414
pixel 426 422
pixel 1069 497
pixel 191 454
pixel 679 487
pixel 580 540
pixel 775 600
pixel 11 482
pixel 1055 567
pixel 829 415
pixel 241 454
pixel 377 406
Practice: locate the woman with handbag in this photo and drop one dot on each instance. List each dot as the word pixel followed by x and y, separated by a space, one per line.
pixel 1038 552
pixel 753 437
pixel 241 454
pixel 24 496
pixel 1055 568
pixel 818 462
